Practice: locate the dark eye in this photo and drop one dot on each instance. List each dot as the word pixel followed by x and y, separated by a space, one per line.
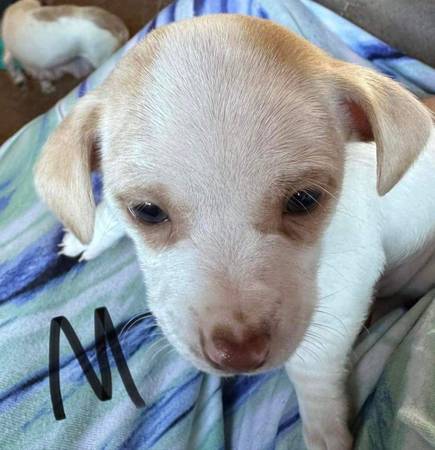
pixel 303 201
pixel 149 213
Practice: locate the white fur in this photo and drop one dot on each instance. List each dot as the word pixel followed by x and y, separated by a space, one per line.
pixel 368 235
pixel 107 231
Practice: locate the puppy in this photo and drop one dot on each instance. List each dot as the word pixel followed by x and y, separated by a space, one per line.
pixel 50 41
pixel 239 159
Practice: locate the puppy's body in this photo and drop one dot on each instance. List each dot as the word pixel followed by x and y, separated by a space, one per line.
pixel 402 222
pixel 50 41
pixel 221 122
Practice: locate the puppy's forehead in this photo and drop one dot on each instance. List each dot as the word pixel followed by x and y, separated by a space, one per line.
pixel 218 103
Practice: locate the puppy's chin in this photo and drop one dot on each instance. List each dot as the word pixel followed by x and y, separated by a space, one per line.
pixel 204 366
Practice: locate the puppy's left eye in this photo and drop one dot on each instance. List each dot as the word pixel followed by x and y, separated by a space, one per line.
pixel 149 213
pixel 303 201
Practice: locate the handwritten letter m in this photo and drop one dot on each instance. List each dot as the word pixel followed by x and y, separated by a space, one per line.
pixel 105 333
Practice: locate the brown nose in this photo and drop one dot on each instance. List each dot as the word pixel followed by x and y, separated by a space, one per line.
pixel 245 354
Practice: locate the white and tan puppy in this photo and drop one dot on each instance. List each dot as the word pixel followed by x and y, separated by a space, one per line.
pixel 262 230
pixel 50 41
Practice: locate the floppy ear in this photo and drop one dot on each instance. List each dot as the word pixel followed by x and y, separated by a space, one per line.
pixel 379 109
pixel 63 172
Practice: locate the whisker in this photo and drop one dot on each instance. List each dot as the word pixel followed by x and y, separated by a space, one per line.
pixel 133 321
pixel 308 350
pixel 365 329
pixel 334 316
pixel 347 212
pixel 156 343
pixel 313 340
pixel 327 327
pixel 332 293
pixel 300 357
pixel 161 351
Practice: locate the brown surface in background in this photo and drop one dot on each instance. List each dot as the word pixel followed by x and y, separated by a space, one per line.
pixel 430 102
pixel 18 107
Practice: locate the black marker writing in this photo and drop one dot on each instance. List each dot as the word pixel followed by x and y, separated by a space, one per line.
pixel 104 333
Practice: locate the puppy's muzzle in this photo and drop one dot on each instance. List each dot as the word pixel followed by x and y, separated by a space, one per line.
pixel 244 353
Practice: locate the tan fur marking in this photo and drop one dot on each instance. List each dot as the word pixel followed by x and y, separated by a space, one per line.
pixel 157 236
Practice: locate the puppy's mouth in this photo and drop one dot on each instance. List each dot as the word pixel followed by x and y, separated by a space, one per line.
pixel 229 364
pixel 205 364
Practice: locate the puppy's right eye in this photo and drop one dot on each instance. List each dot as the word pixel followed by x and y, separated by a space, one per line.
pixel 148 213
pixel 303 201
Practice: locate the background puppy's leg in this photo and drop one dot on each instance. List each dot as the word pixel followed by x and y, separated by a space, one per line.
pixel 45 76
pixel 107 231
pixel 79 68
pixel 47 87
pixel 16 74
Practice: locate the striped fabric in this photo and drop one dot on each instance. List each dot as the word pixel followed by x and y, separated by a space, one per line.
pixel 185 409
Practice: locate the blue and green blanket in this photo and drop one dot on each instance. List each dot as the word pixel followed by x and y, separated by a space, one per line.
pixel 393 380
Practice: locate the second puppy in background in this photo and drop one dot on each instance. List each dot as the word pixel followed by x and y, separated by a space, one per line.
pixel 48 42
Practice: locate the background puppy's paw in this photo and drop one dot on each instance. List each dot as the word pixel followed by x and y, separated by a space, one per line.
pixel 21 83
pixel 70 245
pixel 47 87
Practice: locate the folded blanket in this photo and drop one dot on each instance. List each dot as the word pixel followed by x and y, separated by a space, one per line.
pixel 185 409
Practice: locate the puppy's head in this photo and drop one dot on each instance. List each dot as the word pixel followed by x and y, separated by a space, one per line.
pixel 221 142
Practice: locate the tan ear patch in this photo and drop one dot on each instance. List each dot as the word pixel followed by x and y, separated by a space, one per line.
pixel 359 122
pixel 381 110
pixel 430 103
pixel 63 171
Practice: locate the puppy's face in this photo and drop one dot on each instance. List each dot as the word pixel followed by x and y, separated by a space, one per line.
pixel 222 153
pixel 227 214
pixel 225 177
